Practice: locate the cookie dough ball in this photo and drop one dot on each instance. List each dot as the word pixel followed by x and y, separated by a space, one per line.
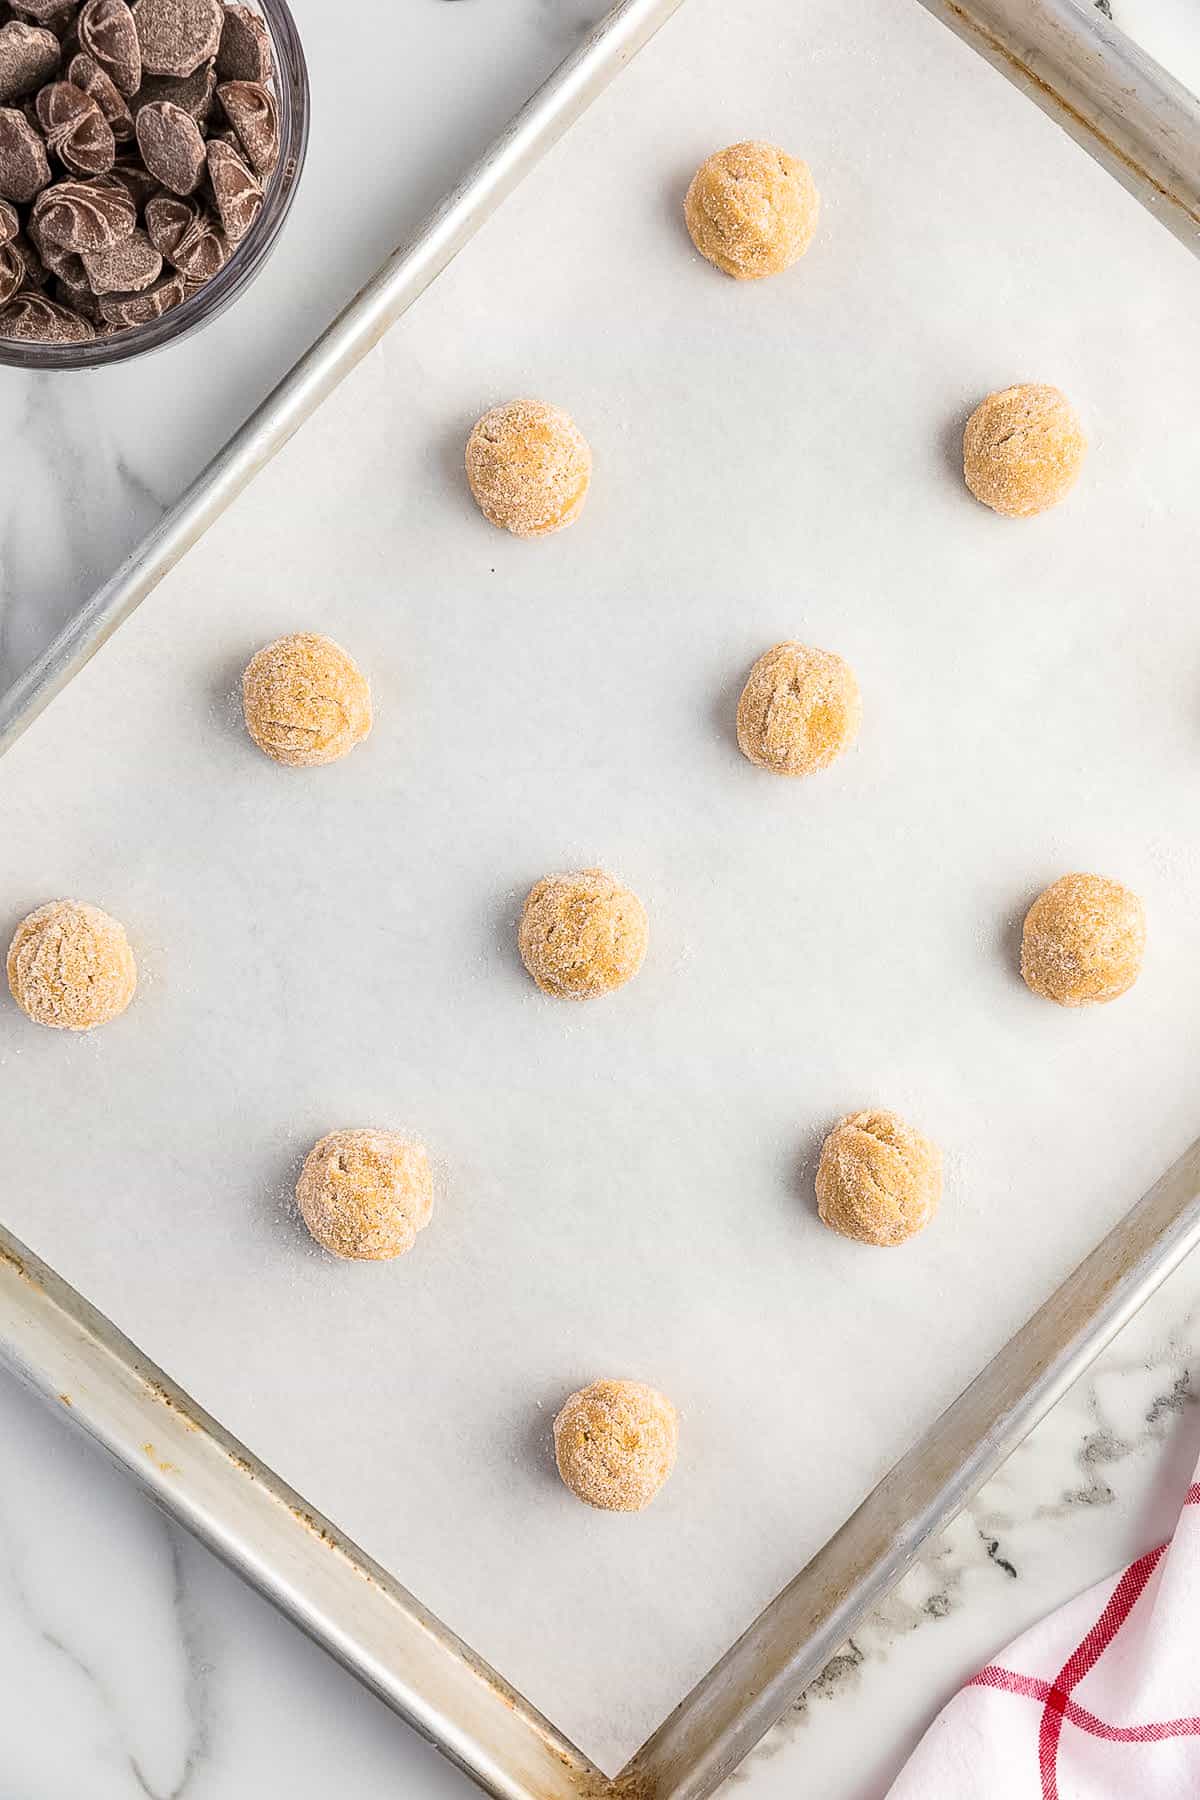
pixel 529 466
pixel 615 1444
pixel 752 210
pixel 366 1194
pixel 306 701
pixel 70 966
pixel 878 1179
pixel 1023 449
pixel 582 934
pixel 799 710
pixel 1083 941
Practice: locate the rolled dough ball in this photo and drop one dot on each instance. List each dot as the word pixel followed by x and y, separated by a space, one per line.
pixel 306 700
pixel 615 1444
pixel 752 210
pixel 878 1179
pixel 70 966
pixel 582 935
pixel 366 1194
pixel 1083 941
pixel 1023 449
pixel 529 466
pixel 799 710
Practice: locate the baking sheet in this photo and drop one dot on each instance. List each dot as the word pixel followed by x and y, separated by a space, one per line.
pixel 626 1187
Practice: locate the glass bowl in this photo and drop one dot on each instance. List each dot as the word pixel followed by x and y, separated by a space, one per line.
pixel 292 101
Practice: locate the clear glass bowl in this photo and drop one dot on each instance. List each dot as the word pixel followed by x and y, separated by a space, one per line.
pixel 292 100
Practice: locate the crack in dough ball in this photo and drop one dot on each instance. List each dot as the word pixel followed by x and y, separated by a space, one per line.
pixel 582 935
pixel 1083 941
pixel 1023 449
pixel 366 1194
pixel 306 700
pixel 752 210
pixel 879 1180
pixel 70 966
pixel 529 465
pixel 615 1444
pixel 799 710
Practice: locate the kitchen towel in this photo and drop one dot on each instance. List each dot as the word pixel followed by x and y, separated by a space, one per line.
pixel 1100 1701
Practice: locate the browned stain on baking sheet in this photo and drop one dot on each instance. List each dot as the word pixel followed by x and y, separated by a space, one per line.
pixel 972 25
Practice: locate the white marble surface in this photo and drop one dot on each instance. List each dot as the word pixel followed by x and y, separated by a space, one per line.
pixel 133 1665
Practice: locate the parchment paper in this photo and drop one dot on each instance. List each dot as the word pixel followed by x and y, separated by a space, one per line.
pixel 625 1187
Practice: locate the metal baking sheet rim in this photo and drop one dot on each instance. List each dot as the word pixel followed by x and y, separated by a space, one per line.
pixel 1145 128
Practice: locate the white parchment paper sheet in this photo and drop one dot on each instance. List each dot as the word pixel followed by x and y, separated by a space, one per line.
pixel 626 1186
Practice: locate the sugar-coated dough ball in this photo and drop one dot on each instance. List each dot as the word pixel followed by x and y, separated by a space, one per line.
pixel 615 1444
pixel 752 210
pixel 582 935
pixel 1083 941
pixel 879 1180
pixel 306 700
pixel 1023 449
pixel 799 710
pixel 70 965
pixel 529 466
pixel 366 1194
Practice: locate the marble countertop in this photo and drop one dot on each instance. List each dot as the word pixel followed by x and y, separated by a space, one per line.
pixel 142 1667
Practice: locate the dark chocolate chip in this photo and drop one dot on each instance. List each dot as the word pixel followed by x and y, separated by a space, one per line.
pixel 44 11
pixel 66 264
pixel 12 271
pixel 34 319
pixel 87 74
pixel 35 268
pixel 245 52
pixel 194 93
pixel 77 299
pixel 85 215
pixel 24 170
pixel 250 109
pixel 10 221
pixel 107 32
pixel 142 309
pixel 176 36
pixel 131 173
pixel 133 265
pixel 75 129
pixel 171 146
pixel 29 56
pixel 237 194
pixel 187 235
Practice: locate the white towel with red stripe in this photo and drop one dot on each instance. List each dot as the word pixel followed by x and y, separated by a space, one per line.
pixel 1101 1701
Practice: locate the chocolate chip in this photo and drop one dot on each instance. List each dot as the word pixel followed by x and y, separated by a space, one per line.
pixel 34 319
pixel 245 52
pixel 237 194
pixel 188 236
pixel 24 170
pixel 67 264
pixel 29 56
pixel 141 309
pixel 10 221
pixel 135 178
pixel 107 32
pixel 12 271
pixel 251 111
pixel 76 130
pixel 85 215
pixel 87 74
pixel 44 11
pixel 171 146
pixel 35 268
pixel 176 36
pixel 194 94
pixel 133 265
pixel 78 299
